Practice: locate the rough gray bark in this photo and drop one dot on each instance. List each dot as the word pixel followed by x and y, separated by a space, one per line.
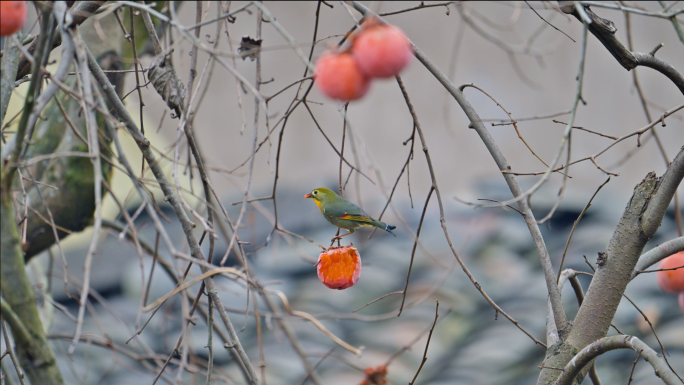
pixel 639 222
pixel 33 350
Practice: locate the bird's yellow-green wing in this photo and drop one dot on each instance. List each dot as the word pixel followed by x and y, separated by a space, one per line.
pixel 346 210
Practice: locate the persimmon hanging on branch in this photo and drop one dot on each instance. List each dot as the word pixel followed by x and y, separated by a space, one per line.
pixel 339 267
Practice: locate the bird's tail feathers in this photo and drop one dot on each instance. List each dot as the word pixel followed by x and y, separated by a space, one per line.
pixel 382 225
pixel 389 229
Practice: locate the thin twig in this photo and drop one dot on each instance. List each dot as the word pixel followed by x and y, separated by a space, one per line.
pixel 260 338
pixel 631 373
pixel 587 130
pixel 413 251
pixel 662 348
pixel 377 299
pixel 574 226
pixel 420 6
pixel 657 270
pixel 15 362
pixel 504 122
pixel 554 27
pixel 344 134
pixel 427 345
pixel 210 341
pixel 415 340
pixel 94 150
pixel 493 200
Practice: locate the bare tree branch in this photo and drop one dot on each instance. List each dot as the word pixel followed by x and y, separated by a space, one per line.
pixel 657 254
pixel 589 353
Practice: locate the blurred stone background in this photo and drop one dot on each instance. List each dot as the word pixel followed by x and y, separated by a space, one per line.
pixel 469 346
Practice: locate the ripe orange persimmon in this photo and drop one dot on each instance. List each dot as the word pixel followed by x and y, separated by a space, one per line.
pixel 339 267
pixel 338 76
pixel 381 51
pixel 12 16
pixel 672 281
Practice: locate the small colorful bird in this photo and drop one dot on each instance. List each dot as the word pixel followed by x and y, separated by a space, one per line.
pixel 344 214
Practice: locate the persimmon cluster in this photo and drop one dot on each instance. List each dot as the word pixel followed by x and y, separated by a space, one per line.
pixel 672 281
pixel 376 51
pixel 12 16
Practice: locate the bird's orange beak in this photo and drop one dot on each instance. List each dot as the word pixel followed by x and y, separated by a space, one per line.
pixel 308 196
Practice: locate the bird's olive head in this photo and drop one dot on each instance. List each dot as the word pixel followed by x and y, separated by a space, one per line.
pixel 318 194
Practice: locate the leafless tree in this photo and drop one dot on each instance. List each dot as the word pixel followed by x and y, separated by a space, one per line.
pixel 63 147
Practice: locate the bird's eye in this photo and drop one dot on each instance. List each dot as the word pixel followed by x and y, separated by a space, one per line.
pixel 315 192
